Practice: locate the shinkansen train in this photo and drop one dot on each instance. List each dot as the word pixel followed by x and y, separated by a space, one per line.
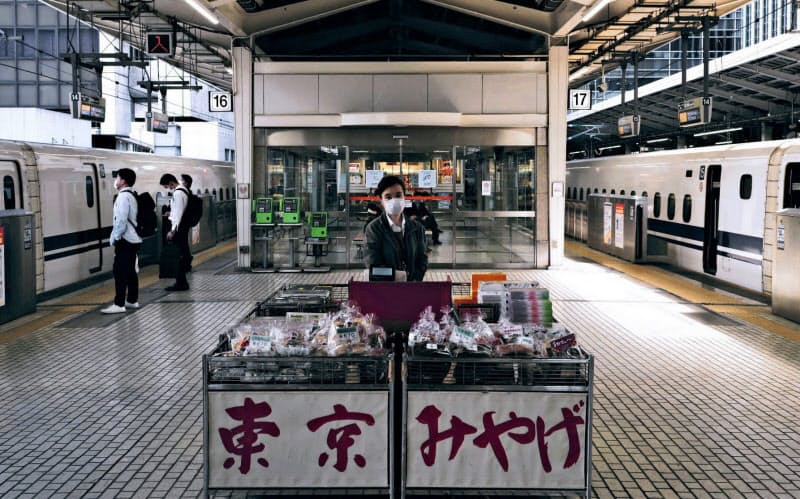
pixel 71 193
pixel 709 210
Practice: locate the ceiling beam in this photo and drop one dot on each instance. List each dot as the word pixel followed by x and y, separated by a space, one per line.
pixel 466 36
pixel 507 14
pixel 724 94
pixel 755 87
pixel 288 16
pixel 773 73
pixel 301 43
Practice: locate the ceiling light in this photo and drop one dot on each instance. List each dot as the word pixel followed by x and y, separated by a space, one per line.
pixel 360 151
pixel 229 70
pixel 599 4
pixel 656 141
pixel 712 132
pixel 204 11
pixel 721 142
pixel 605 148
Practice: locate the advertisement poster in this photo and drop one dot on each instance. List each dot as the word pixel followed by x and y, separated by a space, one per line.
pixel 486 188
pixel 373 177
pixel 502 440
pixel 619 225
pixel 298 439
pixel 427 178
pixel 608 229
pixel 2 266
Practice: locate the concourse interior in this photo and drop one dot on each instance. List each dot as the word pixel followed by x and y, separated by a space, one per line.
pixel 688 402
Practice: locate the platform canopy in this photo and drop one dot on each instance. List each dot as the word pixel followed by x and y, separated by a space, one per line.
pixel 392 30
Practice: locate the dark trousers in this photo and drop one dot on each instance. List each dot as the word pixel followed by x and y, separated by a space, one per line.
pixel 181 240
pixel 430 224
pixel 126 280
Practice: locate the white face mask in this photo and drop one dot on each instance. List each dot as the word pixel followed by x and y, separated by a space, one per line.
pixel 394 206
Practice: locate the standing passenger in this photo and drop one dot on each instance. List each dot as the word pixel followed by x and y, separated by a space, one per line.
pixel 126 243
pixel 179 232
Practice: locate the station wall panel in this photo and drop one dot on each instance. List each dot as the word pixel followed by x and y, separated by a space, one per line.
pixel 349 93
pixel 291 94
pixel 454 93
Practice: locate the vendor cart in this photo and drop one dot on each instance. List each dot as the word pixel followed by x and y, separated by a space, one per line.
pixel 298 425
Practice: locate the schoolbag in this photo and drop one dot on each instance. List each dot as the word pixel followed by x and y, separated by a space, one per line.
pixel 194 209
pixel 146 221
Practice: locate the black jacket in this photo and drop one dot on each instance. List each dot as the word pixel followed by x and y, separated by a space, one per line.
pixel 383 248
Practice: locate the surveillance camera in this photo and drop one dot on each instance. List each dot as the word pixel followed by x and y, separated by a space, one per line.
pixel 603 86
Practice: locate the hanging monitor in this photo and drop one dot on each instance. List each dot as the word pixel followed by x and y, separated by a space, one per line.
pixel 88 107
pixel 160 44
pixel 157 122
pixel 628 126
pixel 692 112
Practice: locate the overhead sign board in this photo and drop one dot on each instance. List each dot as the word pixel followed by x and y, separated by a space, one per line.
pixel 629 126
pixel 88 107
pixel 220 102
pixel 692 112
pixel 157 122
pixel 160 44
pixel 580 99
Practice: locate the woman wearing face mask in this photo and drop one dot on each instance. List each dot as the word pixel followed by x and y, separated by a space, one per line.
pixel 394 240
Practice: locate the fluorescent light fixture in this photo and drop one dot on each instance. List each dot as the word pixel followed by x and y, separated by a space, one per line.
pixel 599 4
pixel 229 70
pixel 721 142
pixel 360 151
pixel 712 132
pixel 203 11
pixel 441 151
pixel 656 141
pixel 605 148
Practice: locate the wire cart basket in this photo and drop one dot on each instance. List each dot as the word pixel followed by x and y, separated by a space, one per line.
pixel 298 426
pixel 497 426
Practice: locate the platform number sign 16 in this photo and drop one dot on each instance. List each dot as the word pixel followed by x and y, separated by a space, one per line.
pixel 579 99
pixel 220 102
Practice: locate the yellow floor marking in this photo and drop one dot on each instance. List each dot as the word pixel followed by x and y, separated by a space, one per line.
pixel 693 292
pixel 80 301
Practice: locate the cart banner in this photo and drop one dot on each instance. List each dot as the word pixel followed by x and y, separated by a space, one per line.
pixel 298 439
pixel 496 440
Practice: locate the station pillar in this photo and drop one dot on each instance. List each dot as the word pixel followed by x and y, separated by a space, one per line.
pixel 558 88
pixel 243 135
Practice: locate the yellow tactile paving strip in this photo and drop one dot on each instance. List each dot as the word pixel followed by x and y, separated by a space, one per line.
pixel 102 293
pixel 693 292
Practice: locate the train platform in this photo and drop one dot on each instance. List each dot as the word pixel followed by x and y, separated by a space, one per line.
pixel 696 389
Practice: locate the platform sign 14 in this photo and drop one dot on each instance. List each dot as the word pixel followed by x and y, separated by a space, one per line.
pixel 579 99
pixel 220 102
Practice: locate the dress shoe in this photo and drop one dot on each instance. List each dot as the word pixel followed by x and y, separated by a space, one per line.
pixel 113 309
pixel 177 288
pixel 131 305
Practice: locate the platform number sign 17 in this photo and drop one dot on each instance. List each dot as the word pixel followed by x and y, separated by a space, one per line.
pixel 220 102
pixel 579 99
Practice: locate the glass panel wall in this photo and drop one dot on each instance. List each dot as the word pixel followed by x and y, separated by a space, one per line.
pixel 476 202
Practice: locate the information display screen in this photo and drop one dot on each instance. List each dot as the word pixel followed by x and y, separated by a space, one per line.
pixel 290 205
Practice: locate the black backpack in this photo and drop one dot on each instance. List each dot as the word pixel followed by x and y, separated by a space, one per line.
pixel 194 209
pixel 146 221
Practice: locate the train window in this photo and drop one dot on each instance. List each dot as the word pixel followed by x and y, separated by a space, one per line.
pixel 644 193
pixel 595 190
pixel 89 191
pixel 791 186
pixel 633 193
pixel 687 208
pixel 9 193
pixel 603 191
pixel 214 193
pixel 613 191
pixel 580 194
pixel 622 192
pixel 671 206
pixel 745 186
pixel 688 173
pixel 657 205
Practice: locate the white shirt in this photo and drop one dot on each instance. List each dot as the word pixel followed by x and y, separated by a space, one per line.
pixel 125 212
pixel 397 228
pixel 177 206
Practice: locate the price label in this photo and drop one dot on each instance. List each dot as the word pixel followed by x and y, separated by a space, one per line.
pixel 220 102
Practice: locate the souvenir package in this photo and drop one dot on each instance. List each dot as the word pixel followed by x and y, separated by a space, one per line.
pixel 472 337
pixel 514 340
pixel 351 333
pixel 426 337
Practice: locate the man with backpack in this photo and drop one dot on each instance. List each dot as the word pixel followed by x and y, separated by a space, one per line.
pixel 126 243
pixel 179 229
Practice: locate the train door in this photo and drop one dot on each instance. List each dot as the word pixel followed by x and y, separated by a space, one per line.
pixel 12 185
pixel 93 203
pixel 791 186
pixel 711 228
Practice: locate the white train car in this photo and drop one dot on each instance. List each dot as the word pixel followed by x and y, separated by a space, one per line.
pixel 710 210
pixel 71 191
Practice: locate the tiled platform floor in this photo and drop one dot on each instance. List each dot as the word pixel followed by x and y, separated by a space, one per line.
pixel 686 404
